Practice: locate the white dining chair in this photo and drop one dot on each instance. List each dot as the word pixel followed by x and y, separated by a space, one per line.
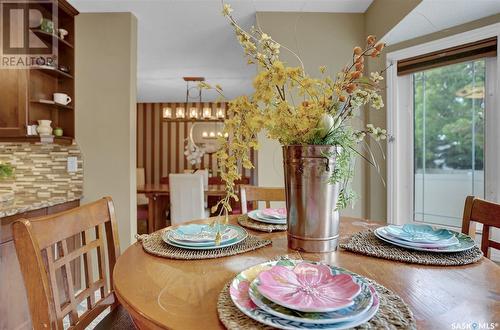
pixel 187 200
pixel 202 172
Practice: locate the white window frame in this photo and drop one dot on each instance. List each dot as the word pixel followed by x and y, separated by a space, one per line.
pixel 400 124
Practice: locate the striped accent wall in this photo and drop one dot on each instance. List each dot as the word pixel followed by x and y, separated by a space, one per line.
pixel 160 143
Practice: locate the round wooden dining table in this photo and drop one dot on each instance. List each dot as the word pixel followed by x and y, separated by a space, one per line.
pixel 164 293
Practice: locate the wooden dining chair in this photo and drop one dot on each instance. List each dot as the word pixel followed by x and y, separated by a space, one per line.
pixel 45 261
pixel 487 213
pixel 253 195
pixel 235 205
pixel 142 200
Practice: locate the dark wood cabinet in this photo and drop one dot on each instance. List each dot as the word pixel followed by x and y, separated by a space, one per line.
pixel 14 310
pixel 26 95
pixel 13 102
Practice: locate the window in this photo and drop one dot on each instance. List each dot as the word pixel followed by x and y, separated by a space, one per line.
pixel 448 140
pixel 443 115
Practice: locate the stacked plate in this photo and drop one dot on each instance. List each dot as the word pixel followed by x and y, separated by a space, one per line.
pixel 296 294
pixel 275 216
pixel 425 238
pixel 203 237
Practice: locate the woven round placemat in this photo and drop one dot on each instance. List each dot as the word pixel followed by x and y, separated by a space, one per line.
pixel 367 243
pixel 154 244
pixel 245 221
pixel 393 313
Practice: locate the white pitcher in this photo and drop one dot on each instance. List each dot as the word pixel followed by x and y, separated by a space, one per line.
pixel 44 127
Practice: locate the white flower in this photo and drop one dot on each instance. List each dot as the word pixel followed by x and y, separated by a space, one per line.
pixel 360 97
pixel 356 102
pixel 227 10
pixel 193 153
pixel 265 37
pixel 377 101
pixel 274 47
pixel 376 132
pixel 325 124
pixel 360 136
pixel 376 77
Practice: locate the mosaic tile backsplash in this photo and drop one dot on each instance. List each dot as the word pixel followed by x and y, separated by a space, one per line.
pixel 41 169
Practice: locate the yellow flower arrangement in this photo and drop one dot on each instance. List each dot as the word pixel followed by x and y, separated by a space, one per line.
pixel 321 117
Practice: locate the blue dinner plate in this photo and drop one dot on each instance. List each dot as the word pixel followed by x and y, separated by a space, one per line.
pixel 242 234
pixel 464 243
pixel 419 233
pixel 202 235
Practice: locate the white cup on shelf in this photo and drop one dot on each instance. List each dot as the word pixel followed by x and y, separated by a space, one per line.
pixel 62 98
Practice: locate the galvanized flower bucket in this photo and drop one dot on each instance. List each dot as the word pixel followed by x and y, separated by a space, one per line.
pixel 313 222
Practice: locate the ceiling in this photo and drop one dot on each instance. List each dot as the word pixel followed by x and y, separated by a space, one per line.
pixel 179 38
pixel 435 15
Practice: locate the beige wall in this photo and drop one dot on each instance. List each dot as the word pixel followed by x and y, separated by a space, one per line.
pixel 380 18
pixel 376 192
pixel 319 39
pixel 106 65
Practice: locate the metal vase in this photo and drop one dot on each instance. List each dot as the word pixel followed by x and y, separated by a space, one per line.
pixel 313 222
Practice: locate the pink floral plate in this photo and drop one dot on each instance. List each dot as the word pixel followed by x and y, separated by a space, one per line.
pixel 278 213
pixel 240 295
pixel 308 287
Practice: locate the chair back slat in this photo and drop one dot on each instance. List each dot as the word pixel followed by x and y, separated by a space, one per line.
pixel 487 213
pixel 255 194
pixel 45 259
pixel 485 239
pixel 55 228
pixel 88 269
pixel 101 258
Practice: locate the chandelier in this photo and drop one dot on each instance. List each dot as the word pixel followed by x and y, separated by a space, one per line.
pixel 197 111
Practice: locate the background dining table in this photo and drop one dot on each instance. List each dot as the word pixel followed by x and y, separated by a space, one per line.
pixel 162 293
pixel 157 195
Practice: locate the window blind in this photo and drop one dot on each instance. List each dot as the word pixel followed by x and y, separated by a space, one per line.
pixel 462 53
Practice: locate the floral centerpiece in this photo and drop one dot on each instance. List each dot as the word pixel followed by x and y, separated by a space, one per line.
pixel 312 115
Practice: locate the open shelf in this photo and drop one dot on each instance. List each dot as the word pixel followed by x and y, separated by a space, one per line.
pixel 49 37
pixel 63 140
pixel 56 105
pixel 66 140
pixel 51 71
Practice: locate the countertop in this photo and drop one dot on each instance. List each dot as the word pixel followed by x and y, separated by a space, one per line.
pixel 28 202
